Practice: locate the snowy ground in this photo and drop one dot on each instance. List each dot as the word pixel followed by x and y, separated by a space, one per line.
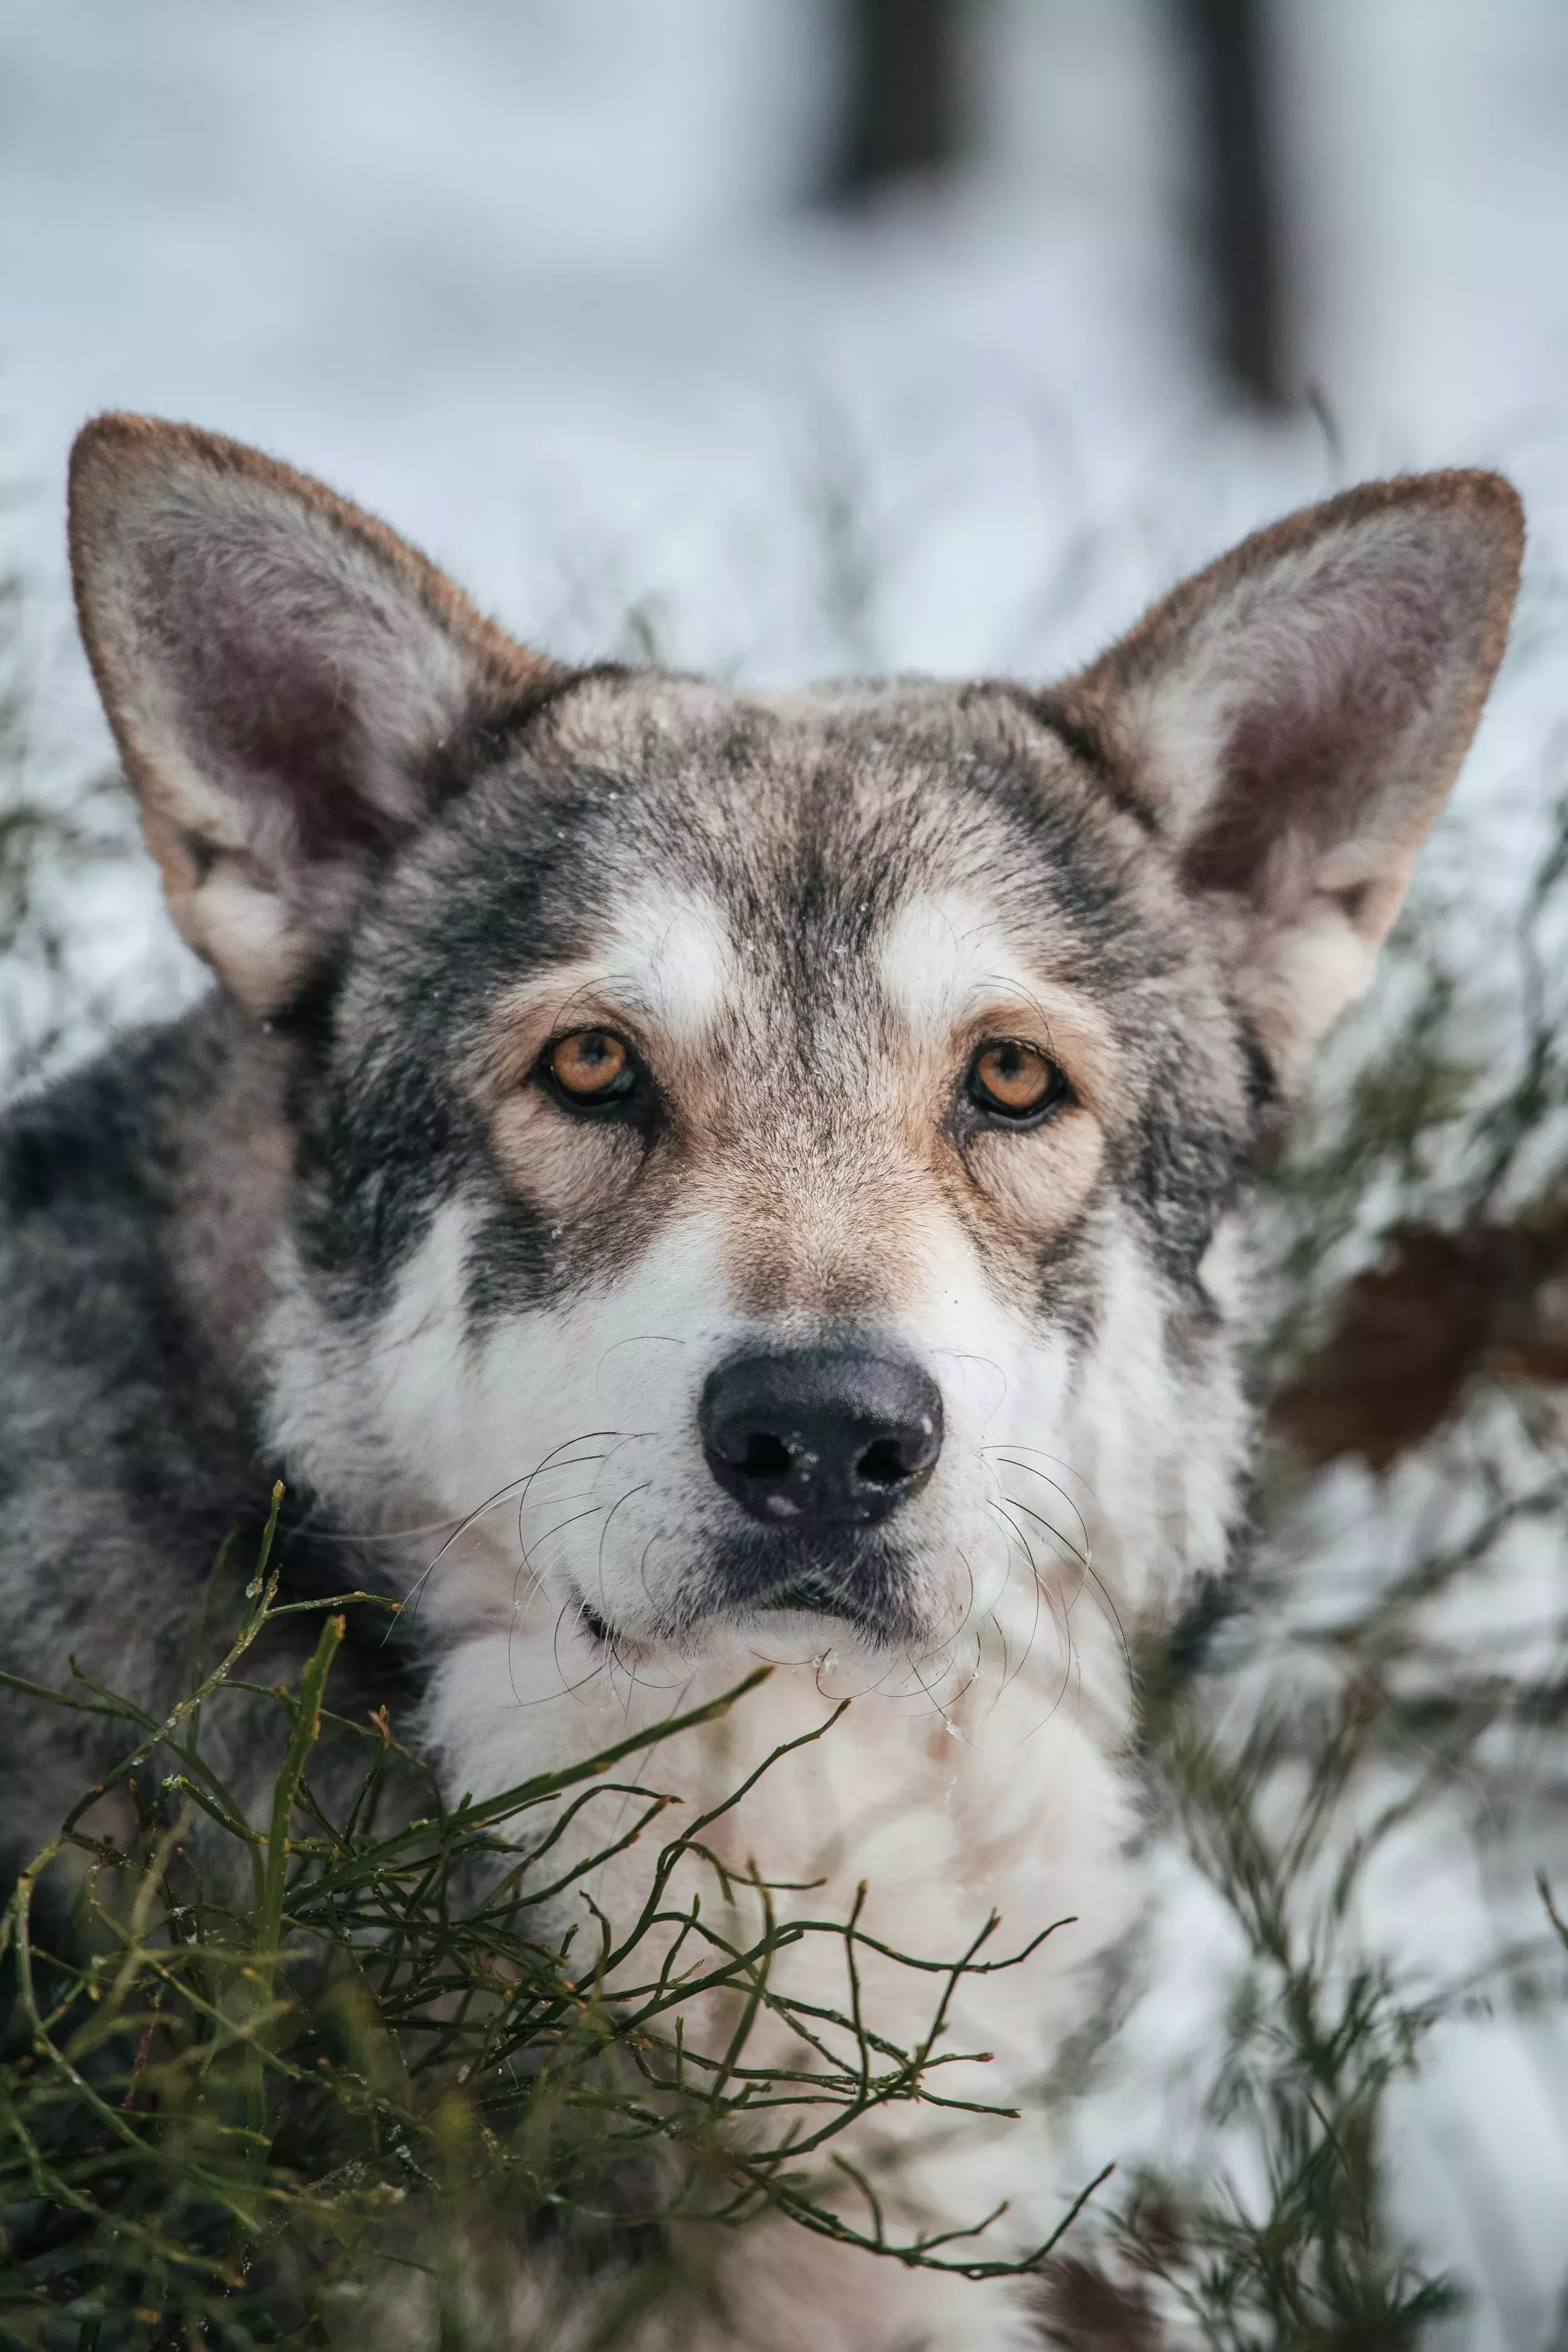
pixel 531 277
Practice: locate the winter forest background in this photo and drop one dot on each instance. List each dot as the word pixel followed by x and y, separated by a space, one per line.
pixel 779 336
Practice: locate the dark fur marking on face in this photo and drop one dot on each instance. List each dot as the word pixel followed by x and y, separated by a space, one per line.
pixel 513 1264
pixel 306 1016
pixel 1085 872
pixel 1189 1168
pixel 372 1174
pixel 484 897
pixel 1075 730
pixel 453 767
pixel 1066 1293
pixel 867 1584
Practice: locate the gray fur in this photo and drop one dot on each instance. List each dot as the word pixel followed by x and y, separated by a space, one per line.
pixel 139 1197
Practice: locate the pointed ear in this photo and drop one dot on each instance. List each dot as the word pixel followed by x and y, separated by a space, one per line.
pixel 281 674
pixel 1292 720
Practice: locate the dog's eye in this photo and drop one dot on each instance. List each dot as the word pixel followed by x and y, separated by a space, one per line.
pixel 591 1066
pixel 1015 1083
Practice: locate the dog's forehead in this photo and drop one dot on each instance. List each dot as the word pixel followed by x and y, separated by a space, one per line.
pixel 762 773
pixel 893 835
pixel 678 955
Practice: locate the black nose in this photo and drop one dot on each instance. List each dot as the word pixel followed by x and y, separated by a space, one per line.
pixel 823 1436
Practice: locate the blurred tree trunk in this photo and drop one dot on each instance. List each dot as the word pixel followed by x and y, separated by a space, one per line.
pixel 901 103
pixel 1238 161
pixel 903 116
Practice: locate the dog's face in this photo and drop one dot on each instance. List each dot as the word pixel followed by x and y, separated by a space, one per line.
pixel 801 1091
pixel 761 1158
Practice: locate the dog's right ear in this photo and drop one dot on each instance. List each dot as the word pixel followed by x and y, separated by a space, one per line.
pixel 280 672
pixel 1289 721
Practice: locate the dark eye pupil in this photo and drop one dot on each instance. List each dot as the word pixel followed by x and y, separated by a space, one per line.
pixel 591 1066
pixel 1014 1082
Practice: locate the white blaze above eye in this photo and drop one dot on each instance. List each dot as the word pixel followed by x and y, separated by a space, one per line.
pixel 943 954
pixel 672 955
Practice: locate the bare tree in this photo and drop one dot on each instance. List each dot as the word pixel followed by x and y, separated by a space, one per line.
pixel 1237 156
pixel 903 112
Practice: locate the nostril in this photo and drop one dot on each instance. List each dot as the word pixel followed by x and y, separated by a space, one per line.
pixel 883 1463
pixel 766 1457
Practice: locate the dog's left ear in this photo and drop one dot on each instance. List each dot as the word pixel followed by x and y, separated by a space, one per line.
pixel 282 674
pixel 1292 720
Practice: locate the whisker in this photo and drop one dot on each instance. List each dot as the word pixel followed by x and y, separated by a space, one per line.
pixel 520 1610
pixel 970 1356
pixel 1055 1483
pixel 567 1690
pixel 642 1569
pixel 937 1707
pixel 512 1486
pixel 1060 1613
pixel 1055 1532
pixel 362 1535
pixel 1070 1663
pixel 969 1604
pixel 973 1675
pixel 452 1519
pixel 1091 1572
pixel 604 1530
pixel 995 1621
pixel 526 1562
pixel 416 1591
pixel 1061 1609
pixel 1034 1623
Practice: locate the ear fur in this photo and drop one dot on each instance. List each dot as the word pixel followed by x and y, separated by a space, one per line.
pixel 279 671
pixel 1292 720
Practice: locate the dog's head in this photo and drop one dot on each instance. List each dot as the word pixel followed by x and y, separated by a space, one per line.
pixel 763 1155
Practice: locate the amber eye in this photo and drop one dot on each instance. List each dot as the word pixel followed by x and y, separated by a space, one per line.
pixel 1015 1082
pixel 591 1066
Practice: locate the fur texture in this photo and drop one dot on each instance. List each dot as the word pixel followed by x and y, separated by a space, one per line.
pixel 343 1223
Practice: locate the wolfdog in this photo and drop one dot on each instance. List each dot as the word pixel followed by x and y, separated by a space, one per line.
pixel 761 1172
